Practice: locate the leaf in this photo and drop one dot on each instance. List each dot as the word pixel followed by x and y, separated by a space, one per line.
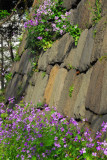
pixel 34 158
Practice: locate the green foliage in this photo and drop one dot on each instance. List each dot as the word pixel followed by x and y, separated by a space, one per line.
pixel 17 57
pixel 27 15
pixel 2 95
pixel 71 90
pixel 96 11
pixel 94 33
pixel 42 133
pixel 48 37
pixel 8 77
pixel 43 74
pixel 34 63
pixel 39 104
pixel 4 14
pixel 103 57
pixel 70 66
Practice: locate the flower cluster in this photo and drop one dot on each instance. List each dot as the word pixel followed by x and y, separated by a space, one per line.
pixel 49 19
pixel 35 134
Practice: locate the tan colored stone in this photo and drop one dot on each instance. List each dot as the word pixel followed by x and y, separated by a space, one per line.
pixel 58 87
pixel 49 87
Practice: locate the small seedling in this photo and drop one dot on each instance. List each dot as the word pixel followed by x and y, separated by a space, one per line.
pixel 43 74
pixel 70 66
pixel 94 33
pixel 71 90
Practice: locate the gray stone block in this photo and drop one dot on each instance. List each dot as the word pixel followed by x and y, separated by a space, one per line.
pixel 56 53
pixel 39 89
pixel 97 91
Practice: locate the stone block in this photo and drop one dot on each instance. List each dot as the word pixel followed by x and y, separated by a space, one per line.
pixel 69 109
pixel 22 44
pixel 100 39
pixel 49 69
pixel 75 54
pixel 58 87
pixel 71 18
pixel 15 67
pixel 84 13
pixel 79 106
pixel 12 88
pixel 39 89
pixel 65 100
pixel 104 8
pixel 25 64
pixel 56 53
pixel 87 51
pixel 97 90
pixel 49 87
pixel 68 4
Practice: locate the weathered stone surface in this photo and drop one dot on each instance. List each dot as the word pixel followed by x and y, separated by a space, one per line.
pixel 104 8
pixel 95 95
pixel 84 14
pixel 25 64
pixel 68 4
pixel 71 18
pixel 69 59
pixel 28 94
pixel 49 69
pixel 58 87
pixel 23 44
pixel 49 87
pixel 87 51
pixel 79 106
pixel 13 85
pixel 80 47
pixel 101 32
pixel 33 79
pixel 103 102
pixel 96 125
pixel 15 67
pixel 56 53
pixel 77 82
pixel 38 90
pixel 75 54
pixel 65 99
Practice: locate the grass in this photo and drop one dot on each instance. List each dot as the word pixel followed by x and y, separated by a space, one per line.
pixel 30 133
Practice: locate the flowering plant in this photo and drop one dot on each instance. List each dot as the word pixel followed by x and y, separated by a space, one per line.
pixel 48 24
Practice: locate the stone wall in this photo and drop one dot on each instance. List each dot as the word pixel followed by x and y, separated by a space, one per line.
pixel 88 73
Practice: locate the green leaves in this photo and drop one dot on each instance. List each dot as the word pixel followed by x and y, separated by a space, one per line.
pixel 71 90
pixel 4 14
pixel 8 76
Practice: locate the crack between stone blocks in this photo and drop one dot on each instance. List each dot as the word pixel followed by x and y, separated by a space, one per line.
pixel 90 66
pixel 95 113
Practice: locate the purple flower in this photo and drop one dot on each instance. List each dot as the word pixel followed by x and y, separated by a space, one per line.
pixel 41 144
pixel 94 154
pixel 105 151
pixel 56 138
pixel 65 145
pixel 98 148
pixel 56 17
pixel 39 38
pixel 83 150
pixel 62 129
pixel 47 109
pixel 25 144
pixel 43 154
pixel 39 135
pixel 57 145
